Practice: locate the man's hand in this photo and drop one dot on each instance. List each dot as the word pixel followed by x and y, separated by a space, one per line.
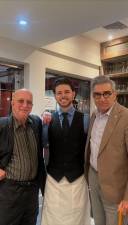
pixel 46 117
pixel 2 174
pixel 123 207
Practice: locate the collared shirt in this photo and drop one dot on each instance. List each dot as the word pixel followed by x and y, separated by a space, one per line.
pixel 24 161
pixel 70 116
pixel 96 135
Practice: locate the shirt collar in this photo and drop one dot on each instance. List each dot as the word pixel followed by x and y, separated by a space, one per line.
pixel 17 124
pixel 105 114
pixel 70 111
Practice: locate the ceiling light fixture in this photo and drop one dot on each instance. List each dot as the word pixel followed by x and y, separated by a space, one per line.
pixel 23 22
pixel 110 37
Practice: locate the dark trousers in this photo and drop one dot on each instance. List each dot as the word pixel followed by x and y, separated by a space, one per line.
pixel 18 203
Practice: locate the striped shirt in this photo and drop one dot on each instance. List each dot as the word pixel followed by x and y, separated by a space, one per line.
pixel 24 161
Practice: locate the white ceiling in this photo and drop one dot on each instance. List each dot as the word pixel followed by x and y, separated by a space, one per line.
pixel 54 20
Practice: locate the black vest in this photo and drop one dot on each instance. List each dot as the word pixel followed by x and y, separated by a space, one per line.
pixel 66 156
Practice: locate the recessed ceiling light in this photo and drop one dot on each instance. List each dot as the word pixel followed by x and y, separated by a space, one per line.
pixel 110 37
pixel 23 22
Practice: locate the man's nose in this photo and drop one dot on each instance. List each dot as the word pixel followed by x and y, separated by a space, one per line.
pixel 63 95
pixel 102 97
pixel 25 103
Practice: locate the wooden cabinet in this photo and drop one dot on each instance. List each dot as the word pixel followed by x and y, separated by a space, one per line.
pixel 114 58
pixel 116 66
pixel 122 89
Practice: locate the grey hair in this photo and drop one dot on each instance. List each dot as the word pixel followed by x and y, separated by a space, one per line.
pixel 103 80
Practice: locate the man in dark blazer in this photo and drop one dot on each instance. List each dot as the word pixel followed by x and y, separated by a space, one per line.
pixel 106 154
pixel 22 169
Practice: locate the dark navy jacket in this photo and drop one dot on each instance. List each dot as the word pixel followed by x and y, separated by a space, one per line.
pixel 7 142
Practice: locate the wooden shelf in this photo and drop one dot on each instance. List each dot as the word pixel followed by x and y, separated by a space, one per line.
pixel 117 48
pixel 114 59
pixel 116 75
pixel 122 92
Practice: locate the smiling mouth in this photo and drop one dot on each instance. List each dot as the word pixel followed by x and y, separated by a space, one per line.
pixel 24 111
pixel 64 100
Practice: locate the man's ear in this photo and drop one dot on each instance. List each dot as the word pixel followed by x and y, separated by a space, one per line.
pixel 115 94
pixel 74 94
pixel 55 96
pixel 12 103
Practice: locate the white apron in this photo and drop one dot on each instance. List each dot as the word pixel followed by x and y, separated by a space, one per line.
pixel 66 203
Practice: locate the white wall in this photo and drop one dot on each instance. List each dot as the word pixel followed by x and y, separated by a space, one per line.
pixel 80 48
pixel 12 50
pixel 77 56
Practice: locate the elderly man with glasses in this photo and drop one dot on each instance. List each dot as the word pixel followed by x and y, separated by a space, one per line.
pixel 106 154
pixel 22 169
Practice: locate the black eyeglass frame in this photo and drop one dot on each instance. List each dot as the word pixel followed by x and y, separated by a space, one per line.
pixel 105 94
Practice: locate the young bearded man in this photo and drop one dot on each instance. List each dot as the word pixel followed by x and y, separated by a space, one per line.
pixel 66 200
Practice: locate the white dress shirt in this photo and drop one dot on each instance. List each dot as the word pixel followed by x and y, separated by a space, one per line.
pixel 96 136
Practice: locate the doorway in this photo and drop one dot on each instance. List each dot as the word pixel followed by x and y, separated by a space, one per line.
pixel 11 79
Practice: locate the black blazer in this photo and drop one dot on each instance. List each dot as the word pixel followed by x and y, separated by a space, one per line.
pixel 7 142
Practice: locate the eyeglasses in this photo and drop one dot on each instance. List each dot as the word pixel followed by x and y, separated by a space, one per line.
pixel 22 101
pixel 105 94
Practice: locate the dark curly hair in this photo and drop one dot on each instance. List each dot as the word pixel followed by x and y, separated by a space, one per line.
pixel 61 81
